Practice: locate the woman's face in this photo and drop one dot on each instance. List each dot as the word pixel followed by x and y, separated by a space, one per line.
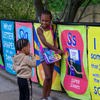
pixel 71 62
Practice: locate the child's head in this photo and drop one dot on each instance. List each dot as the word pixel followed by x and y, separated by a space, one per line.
pixel 45 18
pixel 23 45
pixel 46 12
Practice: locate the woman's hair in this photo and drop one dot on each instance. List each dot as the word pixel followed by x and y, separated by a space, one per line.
pixel 71 59
pixel 21 43
pixel 47 12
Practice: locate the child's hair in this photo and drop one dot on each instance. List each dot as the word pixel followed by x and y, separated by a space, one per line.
pixel 46 12
pixel 21 43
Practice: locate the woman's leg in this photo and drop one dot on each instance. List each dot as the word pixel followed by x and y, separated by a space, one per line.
pixel 50 83
pixel 47 72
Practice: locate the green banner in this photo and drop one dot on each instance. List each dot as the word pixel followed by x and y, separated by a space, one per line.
pixel 74 74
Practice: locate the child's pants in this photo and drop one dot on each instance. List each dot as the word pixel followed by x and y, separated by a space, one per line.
pixel 25 88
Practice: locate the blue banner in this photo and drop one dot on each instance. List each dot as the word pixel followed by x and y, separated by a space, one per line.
pixel 7 36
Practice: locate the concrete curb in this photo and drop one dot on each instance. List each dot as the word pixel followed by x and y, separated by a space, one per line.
pixel 37 91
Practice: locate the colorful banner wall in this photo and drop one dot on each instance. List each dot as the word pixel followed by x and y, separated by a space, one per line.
pixel 24 30
pixel 1 57
pixel 7 35
pixel 1 62
pixel 40 72
pixel 94 61
pixel 74 74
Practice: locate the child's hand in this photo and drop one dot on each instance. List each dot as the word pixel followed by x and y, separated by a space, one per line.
pixel 30 54
pixel 60 52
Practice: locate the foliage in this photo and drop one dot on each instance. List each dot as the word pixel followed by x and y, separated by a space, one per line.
pixel 57 6
pixel 24 9
pixel 17 9
pixel 93 2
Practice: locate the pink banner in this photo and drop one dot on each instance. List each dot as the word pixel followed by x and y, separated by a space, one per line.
pixel 25 30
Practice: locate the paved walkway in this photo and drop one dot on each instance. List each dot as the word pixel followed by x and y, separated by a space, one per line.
pixel 9 89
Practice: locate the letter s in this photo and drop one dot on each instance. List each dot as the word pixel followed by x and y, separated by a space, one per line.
pixel 95 90
pixel 74 42
pixel 69 43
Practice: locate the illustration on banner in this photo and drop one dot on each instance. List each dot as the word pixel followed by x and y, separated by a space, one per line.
pixel 73 60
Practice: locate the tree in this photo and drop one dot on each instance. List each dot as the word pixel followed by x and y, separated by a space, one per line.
pixel 38 7
pixel 62 10
pixel 17 9
pixel 69 9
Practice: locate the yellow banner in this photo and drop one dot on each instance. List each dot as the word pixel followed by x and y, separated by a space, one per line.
pixel 94 61
pixel 40 71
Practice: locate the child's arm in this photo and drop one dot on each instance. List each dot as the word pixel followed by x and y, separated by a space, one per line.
pixel 31 63
pixel 77 71
pixel 13 66
pixel 42 38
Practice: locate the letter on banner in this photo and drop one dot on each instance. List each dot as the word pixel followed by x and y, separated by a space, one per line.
pixel 24 30
pixel 74 76
pixel 7 35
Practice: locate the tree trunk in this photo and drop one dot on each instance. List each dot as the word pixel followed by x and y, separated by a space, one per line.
pixel 74 8
pixel 38 7
pixel 46 4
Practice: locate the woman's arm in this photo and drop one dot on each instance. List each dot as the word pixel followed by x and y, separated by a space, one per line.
pixel 68 63
pixel 77 71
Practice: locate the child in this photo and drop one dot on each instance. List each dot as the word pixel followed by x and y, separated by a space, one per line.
pixel 46 40
pixel 22 64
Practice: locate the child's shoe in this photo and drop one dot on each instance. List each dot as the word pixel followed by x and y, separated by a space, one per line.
pixel 48 98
